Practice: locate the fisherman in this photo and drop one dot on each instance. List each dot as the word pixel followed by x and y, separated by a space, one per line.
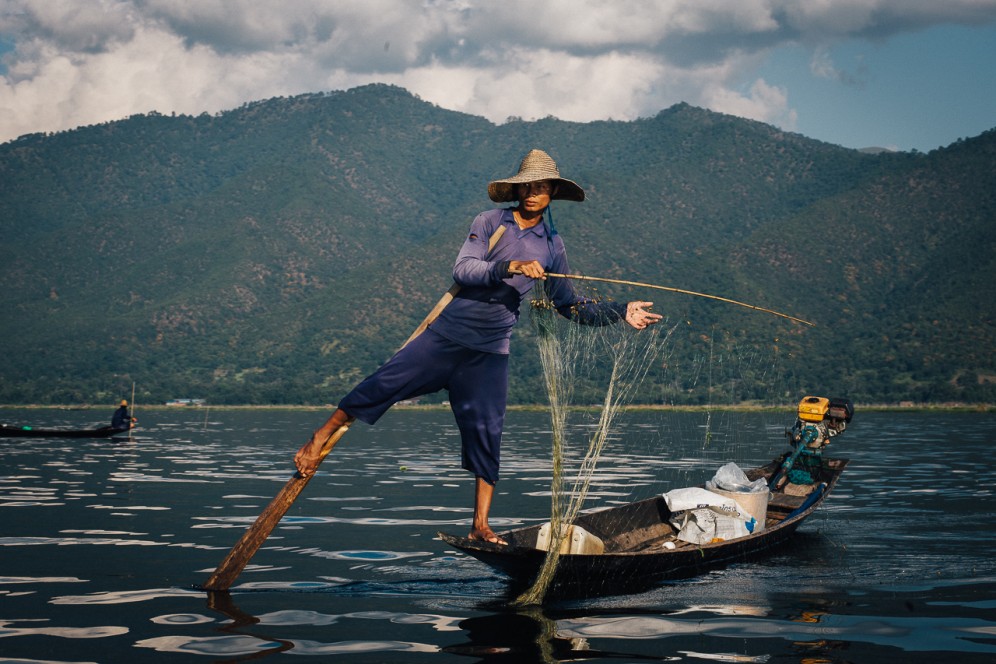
pixel 465 350
pixel 122 420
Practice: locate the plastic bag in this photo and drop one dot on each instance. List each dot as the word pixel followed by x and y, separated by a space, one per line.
pixel 731 478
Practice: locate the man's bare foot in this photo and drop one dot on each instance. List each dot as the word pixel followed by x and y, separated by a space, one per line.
pixel 486 536
pixel 312 452
pixel 308 457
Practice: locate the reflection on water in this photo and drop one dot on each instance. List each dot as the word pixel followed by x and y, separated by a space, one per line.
pixel 103 541
pixel 911 634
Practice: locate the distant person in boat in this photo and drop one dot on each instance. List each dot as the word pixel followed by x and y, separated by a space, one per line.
pixel 122 419
pixel 465 350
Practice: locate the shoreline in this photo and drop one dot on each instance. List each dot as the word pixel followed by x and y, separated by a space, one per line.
pixel 744 407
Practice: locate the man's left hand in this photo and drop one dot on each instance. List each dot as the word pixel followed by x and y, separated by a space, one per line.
pixel 638 316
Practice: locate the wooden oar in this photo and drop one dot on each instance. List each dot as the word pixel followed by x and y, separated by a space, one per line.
pixel 451 293
pixel 436 310
pixel 253 538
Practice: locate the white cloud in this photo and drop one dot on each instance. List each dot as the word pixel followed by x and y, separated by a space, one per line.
pixel 73 26
pixel 762 102
pixel 580 89
pixel 822 66
pixel 78 63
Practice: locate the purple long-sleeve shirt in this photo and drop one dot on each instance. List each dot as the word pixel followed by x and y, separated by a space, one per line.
pixel 484 311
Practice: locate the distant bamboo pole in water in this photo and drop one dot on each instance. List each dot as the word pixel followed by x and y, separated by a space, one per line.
pixel 131 424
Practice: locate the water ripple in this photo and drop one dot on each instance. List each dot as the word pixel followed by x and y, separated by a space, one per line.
pixel 899 557
pixel 211 645
pixel 909 634
pixel 123 596
pixel 9 629
pixel 12 580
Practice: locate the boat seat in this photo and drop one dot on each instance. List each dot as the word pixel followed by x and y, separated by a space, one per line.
pixel 781 501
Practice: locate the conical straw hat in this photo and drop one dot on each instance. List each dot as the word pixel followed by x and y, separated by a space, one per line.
pixel 535 166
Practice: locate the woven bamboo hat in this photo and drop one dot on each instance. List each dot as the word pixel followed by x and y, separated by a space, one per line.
pixel 535 166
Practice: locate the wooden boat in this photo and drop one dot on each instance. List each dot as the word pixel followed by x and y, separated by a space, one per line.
pixel 9 431
pixel 635 537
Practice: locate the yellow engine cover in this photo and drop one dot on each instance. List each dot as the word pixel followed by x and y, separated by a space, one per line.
pixel 813 409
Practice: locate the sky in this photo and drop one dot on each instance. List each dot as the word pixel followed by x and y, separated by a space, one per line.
pixel 898 74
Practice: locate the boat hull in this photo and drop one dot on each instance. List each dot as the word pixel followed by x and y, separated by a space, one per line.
pixel 635 557
pixel 7 431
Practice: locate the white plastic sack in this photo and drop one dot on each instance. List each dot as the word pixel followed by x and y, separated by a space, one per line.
pixel 679 500
pixel 701 516
pixel 705 526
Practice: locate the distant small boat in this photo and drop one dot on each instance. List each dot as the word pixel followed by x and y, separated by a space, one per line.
pixel 9 431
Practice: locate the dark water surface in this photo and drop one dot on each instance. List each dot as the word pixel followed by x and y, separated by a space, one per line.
pixel 102 542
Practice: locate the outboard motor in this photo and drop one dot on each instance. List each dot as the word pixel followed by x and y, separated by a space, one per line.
pixel 819 420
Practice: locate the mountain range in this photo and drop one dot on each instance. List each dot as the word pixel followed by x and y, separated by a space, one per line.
pixel 278 252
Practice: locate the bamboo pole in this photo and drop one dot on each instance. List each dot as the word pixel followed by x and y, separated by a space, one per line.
pixel 247 546
pixel 581 277
pixel 131 423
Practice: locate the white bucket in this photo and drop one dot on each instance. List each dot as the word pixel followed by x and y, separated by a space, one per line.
pixel 754 503
pixel 578 541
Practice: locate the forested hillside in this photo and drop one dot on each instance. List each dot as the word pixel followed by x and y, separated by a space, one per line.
pixel 278 252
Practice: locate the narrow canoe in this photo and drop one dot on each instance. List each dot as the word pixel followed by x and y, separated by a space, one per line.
pixel 636 537
pixel 10 431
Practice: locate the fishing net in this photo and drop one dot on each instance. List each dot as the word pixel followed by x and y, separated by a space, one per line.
pixel 615 356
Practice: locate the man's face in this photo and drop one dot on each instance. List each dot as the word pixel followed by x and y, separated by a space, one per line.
pixel 535 196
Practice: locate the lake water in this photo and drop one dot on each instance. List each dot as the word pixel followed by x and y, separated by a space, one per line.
pixel 102 543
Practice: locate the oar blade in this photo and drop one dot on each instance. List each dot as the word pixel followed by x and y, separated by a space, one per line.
pixel 247 546
pixel 243 551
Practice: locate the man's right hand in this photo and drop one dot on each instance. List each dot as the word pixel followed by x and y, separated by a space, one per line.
pixel 531 269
